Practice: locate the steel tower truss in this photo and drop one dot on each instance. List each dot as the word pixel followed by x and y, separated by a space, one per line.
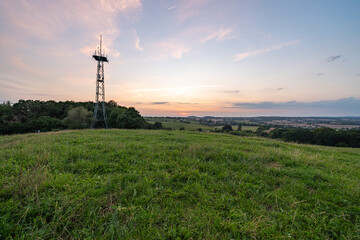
pixel 99 118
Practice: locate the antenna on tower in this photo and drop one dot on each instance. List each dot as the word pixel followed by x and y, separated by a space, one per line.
pixel 100 43
pixel 99 118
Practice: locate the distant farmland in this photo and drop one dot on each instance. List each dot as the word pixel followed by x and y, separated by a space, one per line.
pixel 192 125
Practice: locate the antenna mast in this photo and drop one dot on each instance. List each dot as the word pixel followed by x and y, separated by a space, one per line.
pixel 99 118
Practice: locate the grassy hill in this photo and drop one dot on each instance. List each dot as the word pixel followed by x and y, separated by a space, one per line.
pixel 143 184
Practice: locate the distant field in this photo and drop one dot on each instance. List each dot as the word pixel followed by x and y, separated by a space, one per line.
pixel 176 124
pixel 246 128
pixel 146 184
pixel 193 125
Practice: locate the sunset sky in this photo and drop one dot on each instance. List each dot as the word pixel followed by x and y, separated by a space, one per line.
pixel 187 57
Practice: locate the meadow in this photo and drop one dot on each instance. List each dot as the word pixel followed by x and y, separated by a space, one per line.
pixel 156 184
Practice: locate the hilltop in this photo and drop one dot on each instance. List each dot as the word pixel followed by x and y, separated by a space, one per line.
pixel 156 184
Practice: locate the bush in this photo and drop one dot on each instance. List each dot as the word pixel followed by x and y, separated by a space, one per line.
pixel 78 118
pixel 227 127
pixel 122 117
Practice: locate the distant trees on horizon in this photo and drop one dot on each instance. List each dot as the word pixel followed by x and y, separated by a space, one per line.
pixel 320 136
pixel 33 115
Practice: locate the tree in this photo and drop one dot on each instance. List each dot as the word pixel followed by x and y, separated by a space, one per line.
pixel 157 125
pixel 239 127
pixel 44 123
pixel 227 127
pixel 122 117
pixel 325 136
pixel 78 118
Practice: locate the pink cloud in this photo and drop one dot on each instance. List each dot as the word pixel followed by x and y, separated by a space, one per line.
pixel 20 64
pixel 244 55
pixel 219 35
pixel 189 8
pixel 49 20
pixel 170 48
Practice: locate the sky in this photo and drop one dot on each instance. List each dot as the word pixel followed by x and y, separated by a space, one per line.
pixel 187 57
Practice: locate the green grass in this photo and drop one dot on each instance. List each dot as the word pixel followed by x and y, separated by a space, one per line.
pixel 144 184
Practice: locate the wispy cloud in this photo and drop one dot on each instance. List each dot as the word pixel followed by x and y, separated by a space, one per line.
pixel 56 18
pixel 159 103
pixel 279 89
pixel 185 103
pixel 219 35
pixel 137 42
pixel 231 91
pixel 333 58
pixel 350 104
pixel 12 81
pixel 170 48
pixel 23 65
pixel 170 8
pixel 189 8
pixel 174 89
pixel 319 74
pixel 43 94
pixel 10 87
pixel 244 55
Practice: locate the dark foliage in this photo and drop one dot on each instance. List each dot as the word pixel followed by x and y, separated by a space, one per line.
pixel 321 136
pixel 34 115
pixel 122 117
pixel 227 127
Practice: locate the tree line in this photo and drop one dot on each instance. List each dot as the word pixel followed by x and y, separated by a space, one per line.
pixel 33 115
pixel 320 136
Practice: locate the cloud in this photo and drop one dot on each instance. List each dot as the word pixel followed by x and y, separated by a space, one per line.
pixel 319 74
pixel 184 88
pixel 231 91
pixel 349 105
pixel 170 8
pixel 10 87
pixel 189 8
pixel 43 94
pixel 12 81
pixel 185 103
pixel 159 103
pixel 333 58
pixel 279 89
pixel 244 55
pixel 137 42
pixel 76 19
pixel 219 35
pixel 170 48
pixel 24 66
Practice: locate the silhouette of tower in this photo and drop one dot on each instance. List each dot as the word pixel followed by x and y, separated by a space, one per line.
pixel 99 118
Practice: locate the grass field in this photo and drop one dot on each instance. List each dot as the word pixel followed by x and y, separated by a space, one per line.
pixel 144 184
